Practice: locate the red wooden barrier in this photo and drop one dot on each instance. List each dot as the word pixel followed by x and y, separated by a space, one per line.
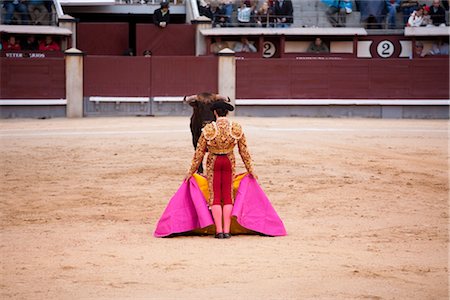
pixel 102 38
pixel 343 79
pixel 23 78
pixel 117 76
pixel 177 76
pixel 175 39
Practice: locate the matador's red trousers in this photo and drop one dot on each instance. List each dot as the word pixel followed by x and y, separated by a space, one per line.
pixel 222 180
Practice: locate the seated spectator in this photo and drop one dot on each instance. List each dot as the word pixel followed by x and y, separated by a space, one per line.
pixel 161 16
pixel 416 18
pixel 19 6
pixel 244 14
pixel 439 48
pixel 437 13
pixel 284 12
pixel 318 46
pixel 30 43
pixel 264 16
pixel 418 49
pixel 337 11
pixel 38 12
pixel 219 46
pixel 392 7
pixel 49 44
pixel 11 44
pixel 372 13
pixel 408 7
pixel 426 20
pixel 244 46
pixel 147 53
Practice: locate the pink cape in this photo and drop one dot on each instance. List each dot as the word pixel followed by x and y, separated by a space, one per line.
pixel 187 212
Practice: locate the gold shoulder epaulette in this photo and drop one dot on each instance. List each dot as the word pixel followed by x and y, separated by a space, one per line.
pixel 209 131
pixel 236 131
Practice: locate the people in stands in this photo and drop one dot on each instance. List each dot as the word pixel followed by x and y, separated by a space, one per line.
pixel 11 44
pixel 48 44
pixel 426 19
pixel 218 15
pixel 437 13
pixel 244 15
pixel 284 13
pixel 227 6
pixel 39 11
pixel 244 46
pixel 30 43
pixel 318 46
pixel 392 7
pixel 337 11
pixel 418 49
pixel 440 47
pixel 372 13
pixel 416 18
pixel 408 7
pixel 218 46
pixel 19 6
pixel 161 16
pixel 264 15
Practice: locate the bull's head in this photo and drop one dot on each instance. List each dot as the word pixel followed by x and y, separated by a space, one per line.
pixel 204 98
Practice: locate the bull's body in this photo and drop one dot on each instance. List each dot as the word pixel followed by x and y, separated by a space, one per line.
pixel 202 114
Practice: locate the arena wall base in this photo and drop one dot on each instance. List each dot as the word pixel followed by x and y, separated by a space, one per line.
pixel 347 111
pixel 32 111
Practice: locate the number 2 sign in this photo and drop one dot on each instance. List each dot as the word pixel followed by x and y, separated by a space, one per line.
pixel 385 49
pixel 269 49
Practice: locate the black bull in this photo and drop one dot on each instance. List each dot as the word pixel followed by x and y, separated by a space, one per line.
pixel 201 114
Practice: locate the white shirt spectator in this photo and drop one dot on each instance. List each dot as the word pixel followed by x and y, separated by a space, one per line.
pixel 415 20
pixel 244 14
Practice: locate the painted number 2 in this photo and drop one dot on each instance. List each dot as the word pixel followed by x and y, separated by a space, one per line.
pixel 385 49
pixel 268 49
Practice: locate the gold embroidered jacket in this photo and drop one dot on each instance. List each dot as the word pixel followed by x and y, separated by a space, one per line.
pixel 220 138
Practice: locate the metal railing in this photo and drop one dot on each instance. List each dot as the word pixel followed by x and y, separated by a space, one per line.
pixel 152 2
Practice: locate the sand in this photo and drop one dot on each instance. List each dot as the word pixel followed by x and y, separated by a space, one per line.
pixel 364 202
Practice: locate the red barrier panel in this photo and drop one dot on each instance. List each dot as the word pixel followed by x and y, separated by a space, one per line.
pixel 117 76
pixel 343 79
pixel 102 38
pixel 175 39
pixel 23 78
pixel 177 76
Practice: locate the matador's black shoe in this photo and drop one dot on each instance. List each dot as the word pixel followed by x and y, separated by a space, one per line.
pixel 219 235
pixel 226 235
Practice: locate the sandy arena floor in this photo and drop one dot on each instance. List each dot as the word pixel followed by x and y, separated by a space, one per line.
pixel 364 202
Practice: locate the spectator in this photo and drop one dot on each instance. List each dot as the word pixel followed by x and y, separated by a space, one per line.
pixel 30 43
pixel 49 44
pixel 147 53
pixel 337 11
pixel 11 44
pixel 407 7
pixel 392 7
pixel 227 7
pixel 284 13
pixel 38 12
pixel 416 18
pixel 263 17
pixel 318 46
pixel 218 15
pixel 372 13
pixel 418 49
pixel 437 13
pixel 244 14
pixel 218 46
pixel 244 46
pixel 439 48
pixel 161 16
pixel 426 20
pixel 12 6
